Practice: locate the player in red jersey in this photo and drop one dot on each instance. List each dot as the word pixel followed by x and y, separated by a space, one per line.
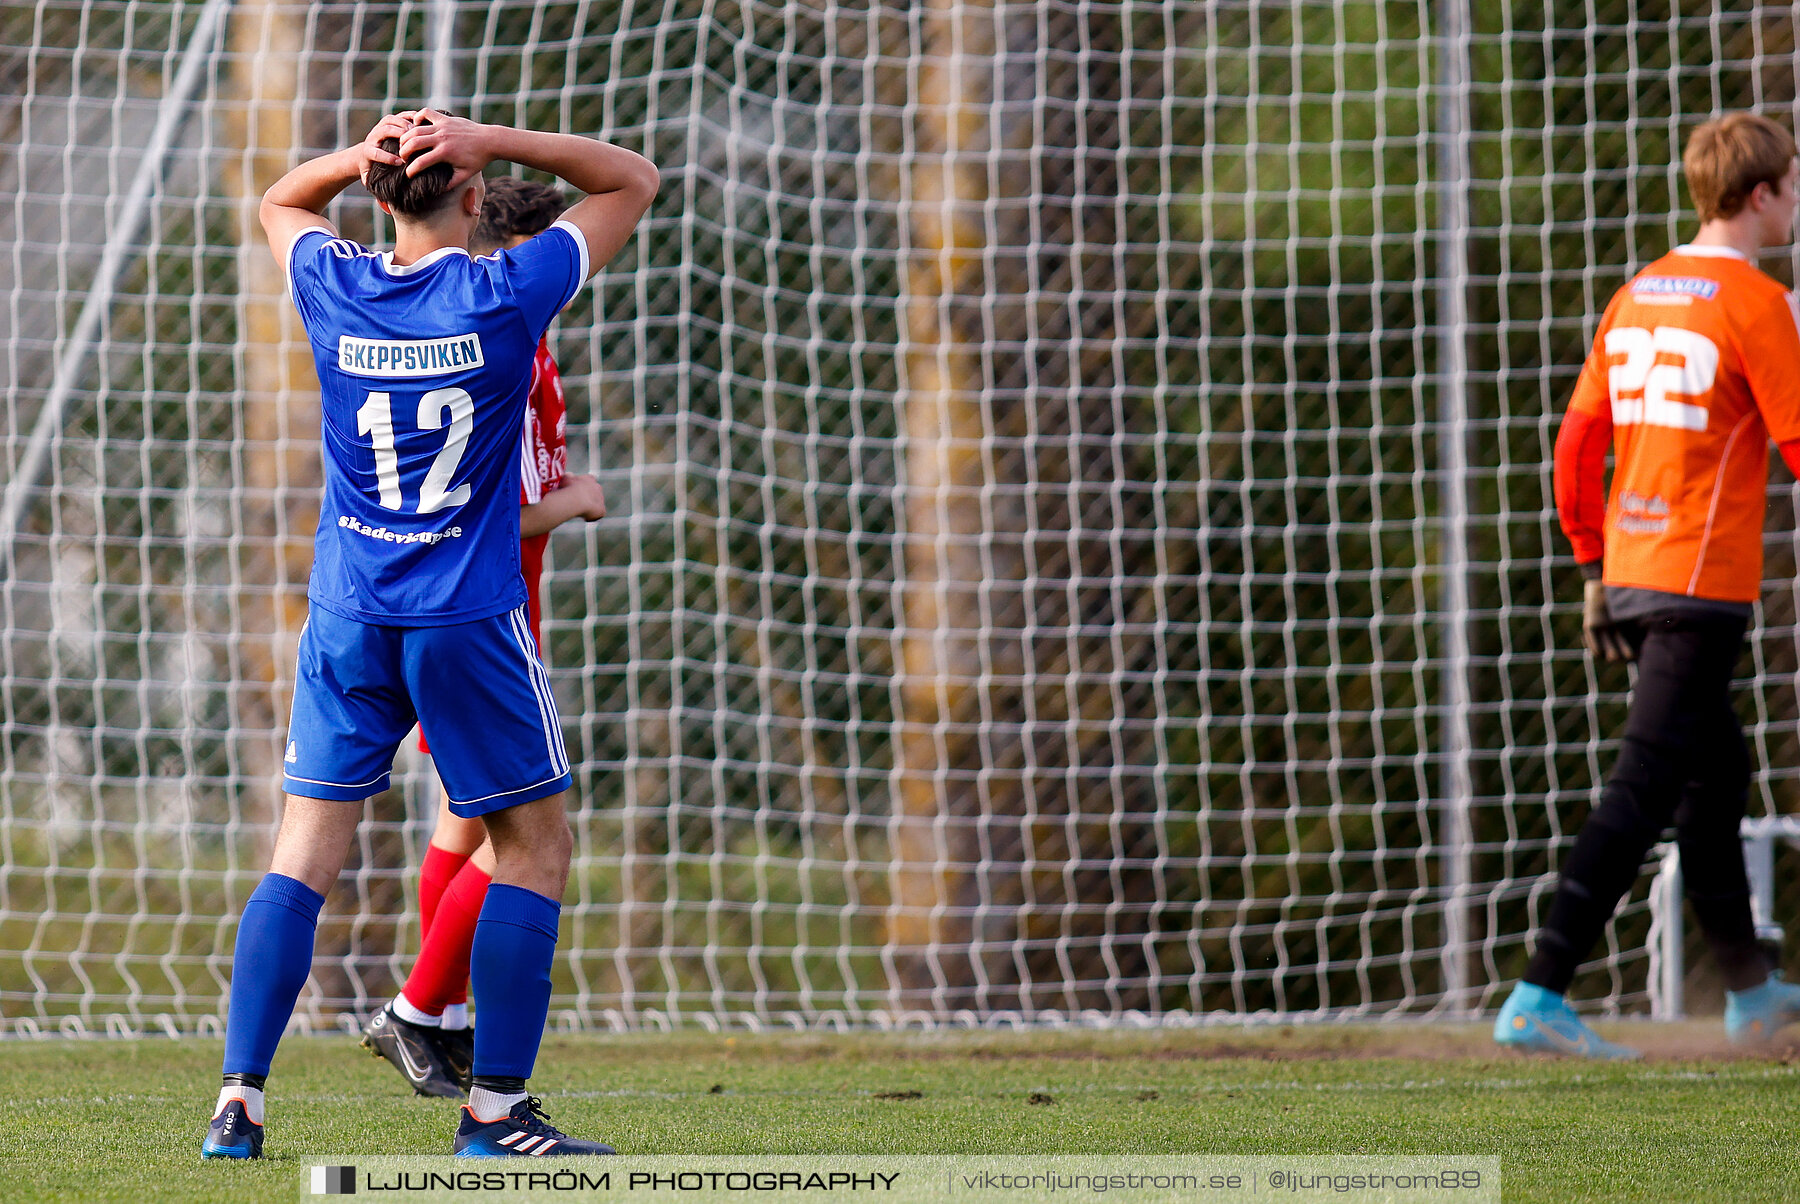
pixel 424 1031
pixel 1695 367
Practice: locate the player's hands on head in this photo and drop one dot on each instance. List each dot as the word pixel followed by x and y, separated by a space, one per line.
pixel 1602 635
pixel 435 138
pixel 589 494
pixel 368 151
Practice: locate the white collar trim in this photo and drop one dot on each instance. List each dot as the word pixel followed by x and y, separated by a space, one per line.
pixel 419 265
pixel 1710 252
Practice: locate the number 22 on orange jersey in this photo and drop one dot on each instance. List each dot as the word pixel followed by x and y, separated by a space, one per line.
pixel 1644 387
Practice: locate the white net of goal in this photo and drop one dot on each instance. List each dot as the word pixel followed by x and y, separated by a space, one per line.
pixel 1080 545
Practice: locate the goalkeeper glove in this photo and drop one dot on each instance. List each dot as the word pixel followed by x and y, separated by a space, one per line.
pixel 1603 637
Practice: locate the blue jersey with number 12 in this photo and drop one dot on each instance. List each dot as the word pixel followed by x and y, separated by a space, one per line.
pixel 423 376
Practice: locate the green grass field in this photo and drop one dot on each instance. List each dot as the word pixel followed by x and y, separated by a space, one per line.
pixel 122 1120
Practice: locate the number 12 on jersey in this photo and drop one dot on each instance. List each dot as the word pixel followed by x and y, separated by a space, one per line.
pixel 376 419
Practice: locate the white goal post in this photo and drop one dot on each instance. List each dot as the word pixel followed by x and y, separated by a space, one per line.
pixel 1081 545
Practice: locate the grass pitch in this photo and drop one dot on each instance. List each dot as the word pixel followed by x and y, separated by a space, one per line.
pixel 122 1120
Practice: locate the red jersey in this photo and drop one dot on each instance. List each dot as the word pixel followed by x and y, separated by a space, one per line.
pixel 1696 364
pixel 545 453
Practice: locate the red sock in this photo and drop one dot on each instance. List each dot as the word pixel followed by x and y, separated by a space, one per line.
pixel 440 976
pixel 434 879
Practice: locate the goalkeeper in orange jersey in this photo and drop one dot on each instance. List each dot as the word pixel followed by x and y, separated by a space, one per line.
pixel 1695 367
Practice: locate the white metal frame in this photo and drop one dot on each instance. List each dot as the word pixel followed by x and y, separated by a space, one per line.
pixel 1667 964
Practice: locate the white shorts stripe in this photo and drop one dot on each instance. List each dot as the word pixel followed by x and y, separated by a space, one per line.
pixel 470 802
pixel 294 777
pixel 557 748
pixel 540 686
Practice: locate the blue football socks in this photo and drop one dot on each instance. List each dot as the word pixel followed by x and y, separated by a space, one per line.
pixel 269 965
pixel 509 970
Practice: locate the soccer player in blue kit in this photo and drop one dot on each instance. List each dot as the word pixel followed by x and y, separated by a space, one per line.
pixel 417 602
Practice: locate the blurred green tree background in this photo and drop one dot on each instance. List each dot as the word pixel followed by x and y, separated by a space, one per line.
pixel 1047 446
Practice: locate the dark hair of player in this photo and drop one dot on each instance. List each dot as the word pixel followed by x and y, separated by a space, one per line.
pixel 1726 159
pixel 409 196
pixel 514 207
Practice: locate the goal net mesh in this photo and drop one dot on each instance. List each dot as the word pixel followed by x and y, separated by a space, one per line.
pixel 1080 542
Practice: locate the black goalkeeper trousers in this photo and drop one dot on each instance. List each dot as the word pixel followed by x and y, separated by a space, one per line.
pixel 1683 761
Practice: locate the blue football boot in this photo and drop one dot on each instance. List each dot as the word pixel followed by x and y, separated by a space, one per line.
pixel 233 1134
pixel 524 1131
pixel 1542 1021
pixel 1753 1016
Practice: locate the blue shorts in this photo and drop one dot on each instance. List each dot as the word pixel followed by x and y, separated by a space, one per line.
pixel 479 688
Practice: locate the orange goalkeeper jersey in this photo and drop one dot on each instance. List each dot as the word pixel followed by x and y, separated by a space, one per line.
pixel 1695 366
